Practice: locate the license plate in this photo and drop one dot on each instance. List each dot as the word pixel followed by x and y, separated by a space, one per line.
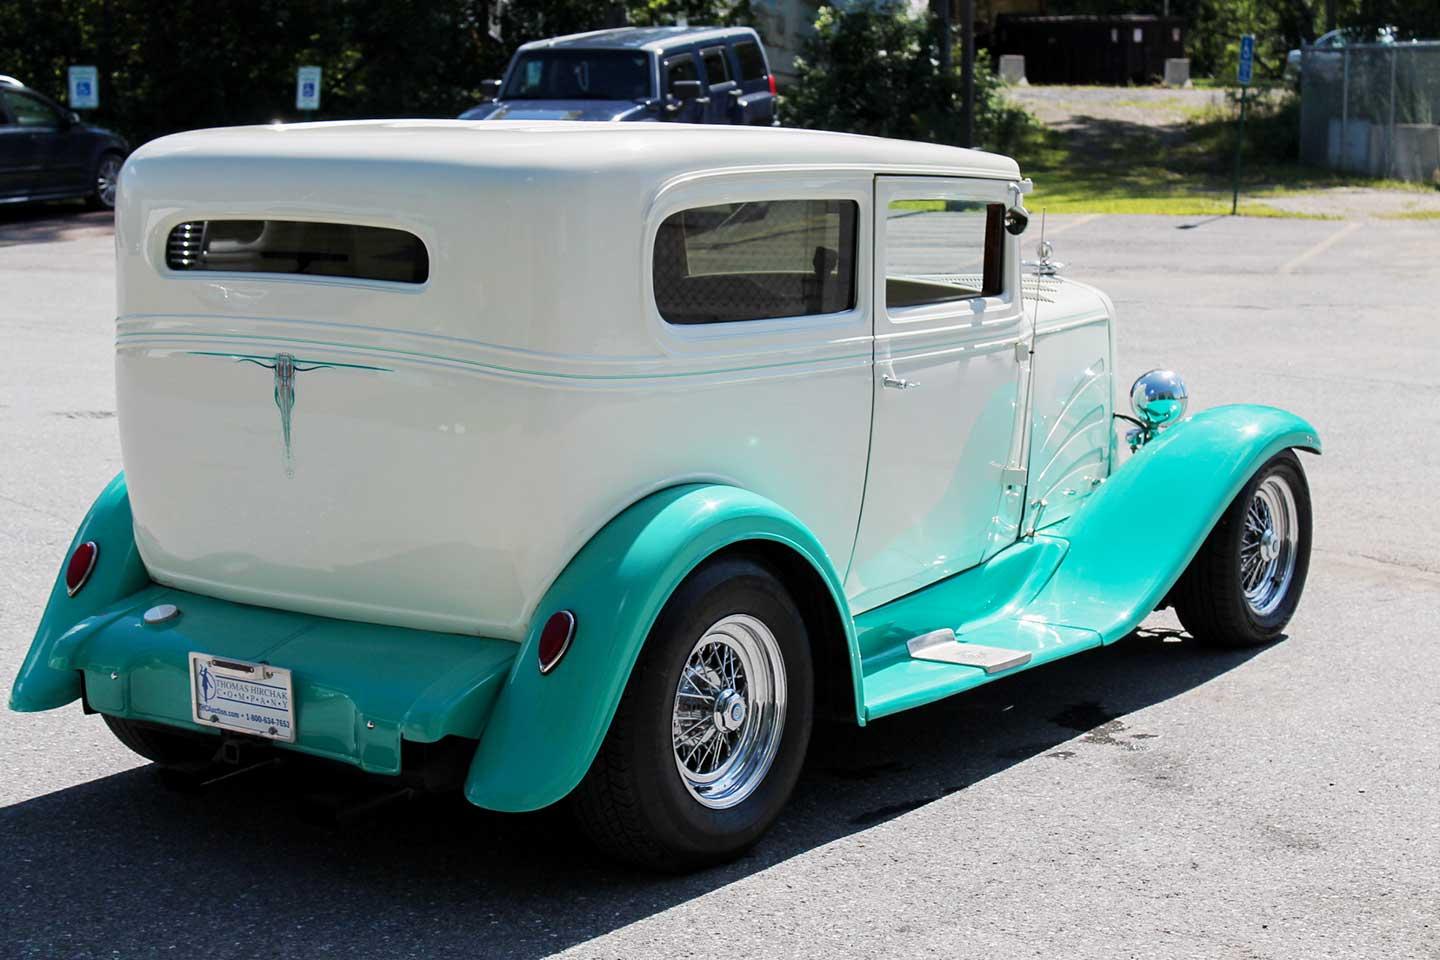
pixel 253 698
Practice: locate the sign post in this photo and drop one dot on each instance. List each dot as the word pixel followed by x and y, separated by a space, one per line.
pixel 84 88
pixel 1244 74
pixel 307 88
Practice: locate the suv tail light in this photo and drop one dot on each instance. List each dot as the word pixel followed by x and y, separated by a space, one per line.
pixel 82 563
pixel 773 91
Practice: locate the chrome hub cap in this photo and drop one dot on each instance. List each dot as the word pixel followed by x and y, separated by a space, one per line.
pixel 1267 547
pixel 729 711
pixel 106 180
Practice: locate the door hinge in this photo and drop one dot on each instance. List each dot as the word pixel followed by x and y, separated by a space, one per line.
pixel 1022 352
pixel 1015 476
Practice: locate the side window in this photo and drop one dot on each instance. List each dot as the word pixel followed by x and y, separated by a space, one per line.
pixel 681 68
pixel 717 71
pixel 941 250
pixel 752 61
pixel 759 260
pixel 30 111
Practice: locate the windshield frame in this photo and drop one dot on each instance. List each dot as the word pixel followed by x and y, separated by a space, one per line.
pixel 510 91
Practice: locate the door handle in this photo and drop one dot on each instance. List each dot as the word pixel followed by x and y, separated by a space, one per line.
pixel 895 383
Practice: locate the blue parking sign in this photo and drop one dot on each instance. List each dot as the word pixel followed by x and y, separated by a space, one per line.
pixel 1247 59
pixel 84 88
pixel 307 88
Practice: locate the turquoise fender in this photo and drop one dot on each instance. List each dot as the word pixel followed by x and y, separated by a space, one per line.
pixel 546 730
pixel 1135 536
pixel 118 573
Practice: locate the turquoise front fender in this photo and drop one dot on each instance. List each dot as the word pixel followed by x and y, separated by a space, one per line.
pixel 118 573
pixel 1135 536
pixel 546 730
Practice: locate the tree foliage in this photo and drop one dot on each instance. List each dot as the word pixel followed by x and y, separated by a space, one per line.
pixel 877 70
pixel 1215 26
pixel 176 66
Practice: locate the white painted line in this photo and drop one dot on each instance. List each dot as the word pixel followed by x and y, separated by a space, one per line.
pixel 1322 246
pixel 1075 223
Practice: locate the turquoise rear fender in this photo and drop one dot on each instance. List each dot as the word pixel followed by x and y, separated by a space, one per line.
pixel 1134 537
pixel 546 730
pixel 118 573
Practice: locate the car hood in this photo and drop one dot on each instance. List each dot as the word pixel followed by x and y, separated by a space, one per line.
pixel 555 110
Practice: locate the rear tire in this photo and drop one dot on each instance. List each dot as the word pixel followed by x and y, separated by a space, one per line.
pixel 711 732
pixel 1243 586
pixel 163 745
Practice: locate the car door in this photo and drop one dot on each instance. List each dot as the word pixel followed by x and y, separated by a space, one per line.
pixel 756 102
pixel 18 163
pixel 682 66
pixel 723 91
pixel 942 491
pixel 51 166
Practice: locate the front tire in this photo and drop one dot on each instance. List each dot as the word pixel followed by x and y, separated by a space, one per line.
pixel 107 181
pixel 1243 586
pixel 710 735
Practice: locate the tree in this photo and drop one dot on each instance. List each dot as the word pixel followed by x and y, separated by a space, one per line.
pixel 877 70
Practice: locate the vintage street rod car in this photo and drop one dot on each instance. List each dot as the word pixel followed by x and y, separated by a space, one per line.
pixel 552 461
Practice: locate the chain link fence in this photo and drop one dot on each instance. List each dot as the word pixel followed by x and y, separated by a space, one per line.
pixel 1372 109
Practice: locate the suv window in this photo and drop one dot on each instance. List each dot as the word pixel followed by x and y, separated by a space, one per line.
pixel 759 260
pixel 940 250
pixel 681 68
pixel 580 75
pixel 30 111
pixel 717 71
pixel 752 62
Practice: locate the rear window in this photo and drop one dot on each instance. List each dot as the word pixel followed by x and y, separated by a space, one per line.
pixel 752 62
pixel 298 247
pixel 760 260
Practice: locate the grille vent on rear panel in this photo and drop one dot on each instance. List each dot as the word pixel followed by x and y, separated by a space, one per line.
pixel 186 245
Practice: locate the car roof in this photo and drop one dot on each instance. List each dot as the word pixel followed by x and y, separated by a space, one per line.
pixel 10 81
pixel 578 150
pixel 640 38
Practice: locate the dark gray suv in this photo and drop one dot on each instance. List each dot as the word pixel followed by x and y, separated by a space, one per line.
pixel 682 74
pixel 48 153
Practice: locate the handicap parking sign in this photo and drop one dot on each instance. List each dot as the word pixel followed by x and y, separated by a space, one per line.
pixel 1247 60
pixel 84 88
pixel 307 88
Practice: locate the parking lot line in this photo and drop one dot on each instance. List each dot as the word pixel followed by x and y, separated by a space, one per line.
pixel 1321 247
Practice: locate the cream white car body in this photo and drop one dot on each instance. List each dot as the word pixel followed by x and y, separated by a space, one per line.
pixel 498 415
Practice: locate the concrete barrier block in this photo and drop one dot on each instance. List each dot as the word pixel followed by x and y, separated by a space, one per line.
pixel 1177 72
pixel 1012 69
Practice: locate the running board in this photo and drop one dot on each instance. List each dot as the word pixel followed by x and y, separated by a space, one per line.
pixel 943 647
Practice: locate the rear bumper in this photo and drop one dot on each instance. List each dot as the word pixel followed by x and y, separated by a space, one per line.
pixel 359 688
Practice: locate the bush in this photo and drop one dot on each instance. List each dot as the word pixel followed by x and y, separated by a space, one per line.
pixel 876 70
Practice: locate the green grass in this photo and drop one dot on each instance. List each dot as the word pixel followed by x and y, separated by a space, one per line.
pixel 1120 167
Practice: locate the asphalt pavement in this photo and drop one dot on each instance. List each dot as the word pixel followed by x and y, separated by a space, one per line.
pixel 1154 799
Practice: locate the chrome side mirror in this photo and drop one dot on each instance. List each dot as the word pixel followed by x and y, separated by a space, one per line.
pixel 1017 218
pixel 1159 398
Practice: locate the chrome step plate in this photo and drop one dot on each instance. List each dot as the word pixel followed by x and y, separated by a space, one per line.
pixel 942 647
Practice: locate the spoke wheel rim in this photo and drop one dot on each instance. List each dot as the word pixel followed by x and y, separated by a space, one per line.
pixel 729 711
pixel 106 179
pixel 1268 545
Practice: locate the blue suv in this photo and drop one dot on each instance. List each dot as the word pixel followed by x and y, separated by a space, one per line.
pixel 679 74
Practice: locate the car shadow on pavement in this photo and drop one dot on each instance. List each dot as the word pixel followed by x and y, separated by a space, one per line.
pixel 48 222
pixel 121 866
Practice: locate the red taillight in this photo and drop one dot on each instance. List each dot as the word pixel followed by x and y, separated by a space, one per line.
pixel 773 91
pixel 81 565
pixel 555 639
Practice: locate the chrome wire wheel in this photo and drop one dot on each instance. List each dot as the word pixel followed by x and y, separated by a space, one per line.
pixel 729 711
pixel 1268 544
pixel 107 178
